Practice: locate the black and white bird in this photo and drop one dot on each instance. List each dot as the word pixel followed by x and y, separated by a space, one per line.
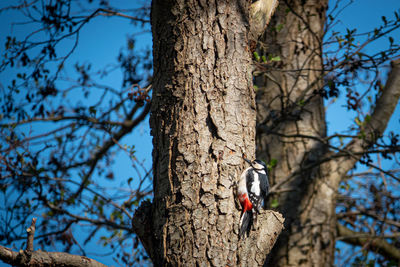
pixel 252 192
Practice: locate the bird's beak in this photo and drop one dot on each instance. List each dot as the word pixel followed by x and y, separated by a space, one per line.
pixel 248 161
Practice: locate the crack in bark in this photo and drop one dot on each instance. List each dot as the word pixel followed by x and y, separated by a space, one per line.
pixel 211 126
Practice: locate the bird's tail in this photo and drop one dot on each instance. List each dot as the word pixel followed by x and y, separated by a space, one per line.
pixel 245 223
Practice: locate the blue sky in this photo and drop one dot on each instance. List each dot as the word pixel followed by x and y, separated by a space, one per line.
pixel 364 15
pixel 102 39
pixel 100 43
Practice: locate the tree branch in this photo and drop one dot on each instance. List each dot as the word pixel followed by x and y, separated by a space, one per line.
pixel 261 241
pixel 31 234
pixel 261 12
pixel 110 142
pixel 42 258
pixel 372 243
pixel 376 125
pixel 107 12
pixel 369 214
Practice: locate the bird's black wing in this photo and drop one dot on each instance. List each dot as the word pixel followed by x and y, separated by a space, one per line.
pixel 264 185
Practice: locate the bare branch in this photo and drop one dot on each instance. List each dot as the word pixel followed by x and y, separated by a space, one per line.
pixel 370 214
pixel 375 126
pixel 107 12
pixel 43 258
pixel 371 242
pixel 110 142
pixel 31 235
pixel 24 5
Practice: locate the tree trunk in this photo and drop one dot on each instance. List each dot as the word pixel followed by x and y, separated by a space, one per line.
pixel 289 109
pixel 203 123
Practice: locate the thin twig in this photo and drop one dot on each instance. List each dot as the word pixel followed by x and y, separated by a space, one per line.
pixel 31 234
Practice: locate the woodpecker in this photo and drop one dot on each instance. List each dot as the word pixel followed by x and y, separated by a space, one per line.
pixel 252 191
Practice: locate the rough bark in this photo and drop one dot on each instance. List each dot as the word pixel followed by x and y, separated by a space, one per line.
pixel 203 123
pixel 288 106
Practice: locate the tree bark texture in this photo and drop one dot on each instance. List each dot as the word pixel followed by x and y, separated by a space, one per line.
pixel 288 109
pixel 203 123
